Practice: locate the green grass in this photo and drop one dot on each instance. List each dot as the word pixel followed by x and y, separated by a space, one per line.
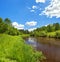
pixel 14 49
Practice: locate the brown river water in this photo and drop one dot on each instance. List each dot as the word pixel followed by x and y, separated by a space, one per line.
pixel 49 46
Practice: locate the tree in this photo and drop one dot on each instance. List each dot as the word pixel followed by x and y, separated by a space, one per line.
pixel 3 27
pixel 12 31
pixel 49 28
pixel 1 20
pixel 57 26
pixel 7 21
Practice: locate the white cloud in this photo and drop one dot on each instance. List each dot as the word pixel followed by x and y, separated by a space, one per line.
pixel 31 23
pixel 34 7
pixel 18 26
pixel 52 10
pixel 46 25
pixel 31 29
pixel 40 1
pixel 32 10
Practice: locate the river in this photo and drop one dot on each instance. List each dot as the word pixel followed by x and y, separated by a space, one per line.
pixel 49 46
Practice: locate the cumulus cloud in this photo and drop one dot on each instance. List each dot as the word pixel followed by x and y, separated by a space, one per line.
pixel 40 1
pixel 18 26
pixel 31 23
pixel 52 10
pixel 31 29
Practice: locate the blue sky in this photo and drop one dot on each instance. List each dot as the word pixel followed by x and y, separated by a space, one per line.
pixel 30 14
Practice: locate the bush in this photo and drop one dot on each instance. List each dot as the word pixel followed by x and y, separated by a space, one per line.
pixel 12 31
pixel 51 34
pixel 57 34
pixel 43 34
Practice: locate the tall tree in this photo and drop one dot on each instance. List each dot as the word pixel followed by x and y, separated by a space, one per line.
pixel 49 28
pixel 7 21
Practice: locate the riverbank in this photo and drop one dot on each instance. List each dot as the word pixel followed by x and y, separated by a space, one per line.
pixel 14 49
pixel 55 34
pixel 25 35
pixel 51 31
pixel 49 46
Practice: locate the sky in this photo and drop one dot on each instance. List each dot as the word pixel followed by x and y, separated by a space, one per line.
pixel 30 14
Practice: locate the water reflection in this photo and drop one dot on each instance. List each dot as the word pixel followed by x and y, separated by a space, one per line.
pixel 31 41
pixel 49 47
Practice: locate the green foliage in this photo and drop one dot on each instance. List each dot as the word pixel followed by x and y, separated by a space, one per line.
pixel 7 21
pixel 51 34
pixel 57 26
pixel 12 31
pixel 3 27
pixel 43 34
pixel 24 32
pixel 6 27
pixel 1 20
pixel 14 49
pixel 51 30
pixel 57 34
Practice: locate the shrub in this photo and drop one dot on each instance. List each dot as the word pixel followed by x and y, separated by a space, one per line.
pixel 57 34
pixel 43 34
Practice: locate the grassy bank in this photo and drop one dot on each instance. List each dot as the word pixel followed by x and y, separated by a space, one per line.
pixel 14 49
pixel 54 34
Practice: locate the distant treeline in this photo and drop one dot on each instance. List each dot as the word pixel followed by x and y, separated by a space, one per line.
pixel 51 30
pixel 7 28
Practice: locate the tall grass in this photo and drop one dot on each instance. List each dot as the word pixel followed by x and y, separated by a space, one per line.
pixel 13 49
